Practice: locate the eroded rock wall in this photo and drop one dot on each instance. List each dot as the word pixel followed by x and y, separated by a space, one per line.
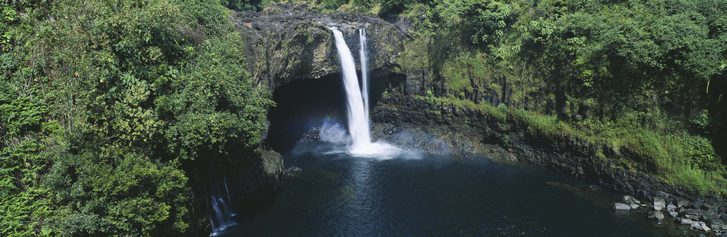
pixel 292 42
pixel 446 129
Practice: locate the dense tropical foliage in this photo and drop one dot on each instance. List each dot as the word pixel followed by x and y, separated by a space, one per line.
pixel 104 103
pixel 642 75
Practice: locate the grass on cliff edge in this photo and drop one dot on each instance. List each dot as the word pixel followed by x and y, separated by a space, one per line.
pixel 679 159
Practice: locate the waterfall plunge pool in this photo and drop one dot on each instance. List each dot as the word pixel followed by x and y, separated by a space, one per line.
pixel 340 195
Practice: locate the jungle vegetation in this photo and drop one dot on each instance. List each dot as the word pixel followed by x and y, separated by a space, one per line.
pixel 104 103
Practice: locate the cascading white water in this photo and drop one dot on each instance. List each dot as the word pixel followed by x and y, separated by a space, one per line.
pixel 357 121
pixel 223 217
pixel 357 104
pixel 364 72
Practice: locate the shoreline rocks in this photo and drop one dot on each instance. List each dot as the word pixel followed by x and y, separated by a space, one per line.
pixel 697 215
pixel 630 203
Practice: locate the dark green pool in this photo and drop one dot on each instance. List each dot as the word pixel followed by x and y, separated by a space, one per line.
pixel 340 195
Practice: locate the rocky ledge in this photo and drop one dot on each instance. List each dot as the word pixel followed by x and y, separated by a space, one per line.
pixel 289 42
pixel 445 129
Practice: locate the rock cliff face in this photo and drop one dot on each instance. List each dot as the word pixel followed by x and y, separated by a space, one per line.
pixel 464 132
pixel 461 132
pixel 292 42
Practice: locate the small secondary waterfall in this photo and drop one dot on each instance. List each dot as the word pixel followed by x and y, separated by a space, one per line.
pixel 357 101
pixel 358 125
pixel 223 217
pixel 364 72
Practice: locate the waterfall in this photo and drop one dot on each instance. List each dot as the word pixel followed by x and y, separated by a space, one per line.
pixel 364 72
pixel 357 102
pixel 223 217
pixel 358 125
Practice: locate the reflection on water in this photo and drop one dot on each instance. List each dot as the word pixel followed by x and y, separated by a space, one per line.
pixel 340 195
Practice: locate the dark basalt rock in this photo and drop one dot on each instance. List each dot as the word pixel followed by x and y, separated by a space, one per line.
pixel 289 42
pixel 292 172
pixel 259 173
pixel 463 132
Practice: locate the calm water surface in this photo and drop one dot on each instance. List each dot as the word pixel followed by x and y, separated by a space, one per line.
pixel 340 195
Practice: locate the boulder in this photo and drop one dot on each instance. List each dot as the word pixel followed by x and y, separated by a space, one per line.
pixel 659 203
pixel 621 207
pixel 631 200
pixel 699 225
pixel 671 208
pixel 256 174
pixel 658 215
pixel 293 172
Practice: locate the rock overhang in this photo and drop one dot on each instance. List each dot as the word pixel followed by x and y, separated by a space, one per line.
pixel 289 43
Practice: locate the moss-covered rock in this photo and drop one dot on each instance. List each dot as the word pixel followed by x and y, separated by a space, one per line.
pixel 292 42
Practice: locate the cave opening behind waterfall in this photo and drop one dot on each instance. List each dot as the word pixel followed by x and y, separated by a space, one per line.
pixel 303 106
